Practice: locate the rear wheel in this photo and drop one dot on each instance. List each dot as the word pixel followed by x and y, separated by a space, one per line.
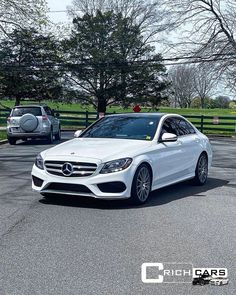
pixel 12 141
pixel 201 172
pixel 58 135
pixel 141 185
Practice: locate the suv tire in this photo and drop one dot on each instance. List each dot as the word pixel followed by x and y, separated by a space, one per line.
pixel 12 141
pixel 58 135
pixel 50 137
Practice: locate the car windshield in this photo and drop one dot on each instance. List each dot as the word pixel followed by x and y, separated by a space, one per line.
pixel 18 112
pixel 124 127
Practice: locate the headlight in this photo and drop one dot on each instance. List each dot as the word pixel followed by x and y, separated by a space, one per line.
pixel 39 162
pixel 116 165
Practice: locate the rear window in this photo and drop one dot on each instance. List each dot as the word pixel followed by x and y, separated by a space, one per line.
pixel 18 112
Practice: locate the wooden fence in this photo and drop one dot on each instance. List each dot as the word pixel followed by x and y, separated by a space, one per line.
pixel 79 120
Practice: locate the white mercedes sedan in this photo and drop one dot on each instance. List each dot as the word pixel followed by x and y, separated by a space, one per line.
pixel 125 156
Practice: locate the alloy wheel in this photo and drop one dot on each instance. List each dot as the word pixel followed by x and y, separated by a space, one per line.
pixel 143 184
pixel 202 169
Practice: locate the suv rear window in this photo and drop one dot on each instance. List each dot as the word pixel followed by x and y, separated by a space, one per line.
pixel 18 112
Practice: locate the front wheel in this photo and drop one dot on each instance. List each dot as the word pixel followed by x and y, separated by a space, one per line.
pixel 141 186
pixel 12 141
pixel 201 172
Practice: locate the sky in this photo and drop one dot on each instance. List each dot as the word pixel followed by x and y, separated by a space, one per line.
pixel 55 5
pixel 62 17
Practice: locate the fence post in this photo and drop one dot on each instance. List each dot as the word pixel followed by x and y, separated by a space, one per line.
pixel 202 123
pixel 86 119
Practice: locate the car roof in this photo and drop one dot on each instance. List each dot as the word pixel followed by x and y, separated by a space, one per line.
pixel 30 106
pixel 156 115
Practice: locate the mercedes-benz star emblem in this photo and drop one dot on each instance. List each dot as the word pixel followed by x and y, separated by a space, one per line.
pixel 67 169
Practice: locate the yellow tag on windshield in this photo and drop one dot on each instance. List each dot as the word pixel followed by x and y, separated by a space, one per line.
pixel 148 137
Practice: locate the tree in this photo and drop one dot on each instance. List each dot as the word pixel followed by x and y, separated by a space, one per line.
pixel 182 79
pixel 222 102
pixel 189 81
pixel 232 104
pixel 204 82
pixel 21 13
pixel 28 66
pixel 146 15
pixel 209 103
pixel 109 62
pixel 208 30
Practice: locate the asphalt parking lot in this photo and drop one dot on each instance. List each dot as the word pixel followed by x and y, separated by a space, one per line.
pixel 86 246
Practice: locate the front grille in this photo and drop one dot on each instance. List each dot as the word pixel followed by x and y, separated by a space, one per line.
pixel 77 188
pixel 80 169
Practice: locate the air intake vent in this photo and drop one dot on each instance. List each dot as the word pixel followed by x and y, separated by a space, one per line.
pixel 37 181
pixel 77 188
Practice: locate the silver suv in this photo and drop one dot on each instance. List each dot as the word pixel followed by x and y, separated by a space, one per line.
pixel 32 121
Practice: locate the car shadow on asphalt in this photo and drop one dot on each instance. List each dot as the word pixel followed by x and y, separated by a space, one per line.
pixel 157 197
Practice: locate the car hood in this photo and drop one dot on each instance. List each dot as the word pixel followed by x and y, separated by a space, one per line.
pixel 99 149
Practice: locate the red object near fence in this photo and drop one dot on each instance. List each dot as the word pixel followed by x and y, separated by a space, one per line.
pixel 137 109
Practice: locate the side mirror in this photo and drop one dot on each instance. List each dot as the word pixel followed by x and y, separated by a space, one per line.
pixel 77 133
pixel 168 137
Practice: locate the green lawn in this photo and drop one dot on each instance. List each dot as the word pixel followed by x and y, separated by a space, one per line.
pixel 3 135
pixel 81 108
pixel 77 121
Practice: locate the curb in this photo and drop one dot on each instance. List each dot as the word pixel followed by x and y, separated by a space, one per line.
pixel 3 141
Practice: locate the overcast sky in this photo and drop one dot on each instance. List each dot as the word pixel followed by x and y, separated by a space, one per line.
pixel 58 17
pixel 56 5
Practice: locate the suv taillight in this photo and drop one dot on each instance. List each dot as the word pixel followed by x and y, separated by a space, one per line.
pixel 45 118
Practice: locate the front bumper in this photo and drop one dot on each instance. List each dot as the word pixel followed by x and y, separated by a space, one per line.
pixel 53 184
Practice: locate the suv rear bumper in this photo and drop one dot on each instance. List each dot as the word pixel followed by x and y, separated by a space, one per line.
pixel 19 135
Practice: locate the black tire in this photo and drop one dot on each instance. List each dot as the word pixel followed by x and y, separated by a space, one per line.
pixel 12 141
pixel 58 135
pixel 201 171
pixel 50 137
pixel 141 185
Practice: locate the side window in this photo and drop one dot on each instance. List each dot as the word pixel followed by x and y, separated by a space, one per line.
pixel 183 127
pixel 48 111
pixel 169 127
pixel 190 128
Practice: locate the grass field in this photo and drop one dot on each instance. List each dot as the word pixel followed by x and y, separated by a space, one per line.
pixel 3 135
pixel 81 108
pixel 77 121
